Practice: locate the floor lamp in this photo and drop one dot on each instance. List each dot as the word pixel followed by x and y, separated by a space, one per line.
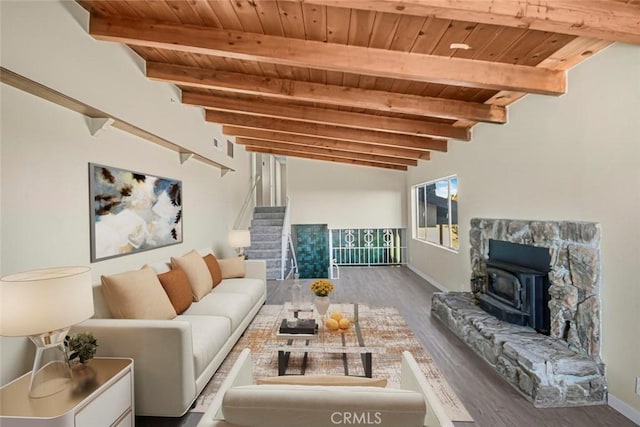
pixel 43 304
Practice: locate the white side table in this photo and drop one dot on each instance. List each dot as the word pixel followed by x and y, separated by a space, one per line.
pixel 107 402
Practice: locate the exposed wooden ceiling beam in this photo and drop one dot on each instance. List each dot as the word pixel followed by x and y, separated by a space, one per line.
pixel 601 19
pixel 323 158
pixel 329 56
pixel 327 131
pixel 568 56
pixel 327 152
pixel 327 94
pixel 326 116
pixel 358 147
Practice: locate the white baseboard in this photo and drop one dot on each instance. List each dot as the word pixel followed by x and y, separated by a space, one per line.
pixel 428 278
pixel 624 408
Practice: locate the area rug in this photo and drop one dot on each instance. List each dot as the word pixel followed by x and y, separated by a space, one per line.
pixel 391 332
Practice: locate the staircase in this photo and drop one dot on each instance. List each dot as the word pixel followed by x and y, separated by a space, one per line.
pixel 266 238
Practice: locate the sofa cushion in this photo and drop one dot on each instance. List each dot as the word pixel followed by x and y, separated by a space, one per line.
pixel 326 380
pixel 232 306
pixel 316 406
pixel 208 335
pixel 100 307
pixel 232 267
pixel 177 287
pixel 196 270
pixel 214 269
pixel 254 288
pixel 137 294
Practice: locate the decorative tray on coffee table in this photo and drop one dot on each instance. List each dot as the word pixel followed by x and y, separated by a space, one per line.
pixel 302 329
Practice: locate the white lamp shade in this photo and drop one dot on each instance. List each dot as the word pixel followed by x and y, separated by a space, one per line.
pixel 45 300
pixel 239 238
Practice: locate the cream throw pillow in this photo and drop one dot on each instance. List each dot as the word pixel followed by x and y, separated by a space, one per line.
pixel 232 267
pixel 137 294
pixel 197 272
pixel 328 380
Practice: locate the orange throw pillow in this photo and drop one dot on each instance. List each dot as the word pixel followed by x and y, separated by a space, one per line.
pixel 176 285
pixel 214 269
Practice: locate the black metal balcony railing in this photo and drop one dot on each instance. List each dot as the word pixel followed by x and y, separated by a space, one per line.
pixel 368 246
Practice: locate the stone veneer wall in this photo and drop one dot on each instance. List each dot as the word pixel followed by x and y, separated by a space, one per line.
pixel 574 275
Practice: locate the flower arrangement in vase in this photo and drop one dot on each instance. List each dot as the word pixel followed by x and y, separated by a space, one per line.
pixel 322 288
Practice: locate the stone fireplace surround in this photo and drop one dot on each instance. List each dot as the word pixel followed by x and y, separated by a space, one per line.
pixel 553 370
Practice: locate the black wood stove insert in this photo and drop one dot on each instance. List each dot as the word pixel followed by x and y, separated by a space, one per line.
pixel 515 287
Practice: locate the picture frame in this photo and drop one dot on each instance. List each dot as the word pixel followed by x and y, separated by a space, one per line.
pixel 132 212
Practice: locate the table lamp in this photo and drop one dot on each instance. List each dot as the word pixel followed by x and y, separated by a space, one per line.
pixel 43 304
pixel 239 239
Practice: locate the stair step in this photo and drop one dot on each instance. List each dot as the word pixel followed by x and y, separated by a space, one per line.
pixel 266 245
pixel 266 222
pixel 263 253
pixel 273 274
pixel 266 227
pixel 269 215
pixel 261 209
pixel 273 262
pixel 266 237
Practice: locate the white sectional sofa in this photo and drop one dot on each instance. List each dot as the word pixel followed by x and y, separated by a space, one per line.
pixel 175 359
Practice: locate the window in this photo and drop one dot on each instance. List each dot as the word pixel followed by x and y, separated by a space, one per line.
pixel 436 212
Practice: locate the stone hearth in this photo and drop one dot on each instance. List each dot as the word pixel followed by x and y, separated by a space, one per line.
pixel 544 369
pixel 563 369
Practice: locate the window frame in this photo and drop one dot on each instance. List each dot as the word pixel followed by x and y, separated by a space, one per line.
pixel 418 218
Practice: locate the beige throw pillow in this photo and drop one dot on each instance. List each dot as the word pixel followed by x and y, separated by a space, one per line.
pixel 232 267
pixel 328 380
pixel 197 272
pixel 137 294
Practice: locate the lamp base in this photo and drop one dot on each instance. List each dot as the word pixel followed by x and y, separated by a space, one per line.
pixel 240 252
pixel 51 373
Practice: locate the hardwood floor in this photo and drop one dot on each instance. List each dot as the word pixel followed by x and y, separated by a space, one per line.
pixel 490 400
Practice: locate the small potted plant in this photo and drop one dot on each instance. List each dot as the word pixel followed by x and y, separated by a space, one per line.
pixel 80 349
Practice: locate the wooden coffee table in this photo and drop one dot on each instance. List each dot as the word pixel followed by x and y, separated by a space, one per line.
pixel 349 342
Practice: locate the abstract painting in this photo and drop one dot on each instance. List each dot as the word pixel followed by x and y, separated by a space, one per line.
pixel 132 212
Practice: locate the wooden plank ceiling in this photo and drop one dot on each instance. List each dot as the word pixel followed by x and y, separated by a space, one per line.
pixel 376 83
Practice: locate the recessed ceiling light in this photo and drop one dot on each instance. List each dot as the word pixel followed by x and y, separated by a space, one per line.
pixel 459 46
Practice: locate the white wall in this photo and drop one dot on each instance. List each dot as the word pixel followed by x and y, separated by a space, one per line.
pixel 345 196
pixel 45 150
pixel 575 157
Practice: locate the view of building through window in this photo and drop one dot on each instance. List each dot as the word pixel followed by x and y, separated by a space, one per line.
pixel 436 212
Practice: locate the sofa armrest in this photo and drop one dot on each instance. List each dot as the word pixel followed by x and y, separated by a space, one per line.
pixel 256 269
pixel 240 374
pixel 412 378
pixel 162 351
